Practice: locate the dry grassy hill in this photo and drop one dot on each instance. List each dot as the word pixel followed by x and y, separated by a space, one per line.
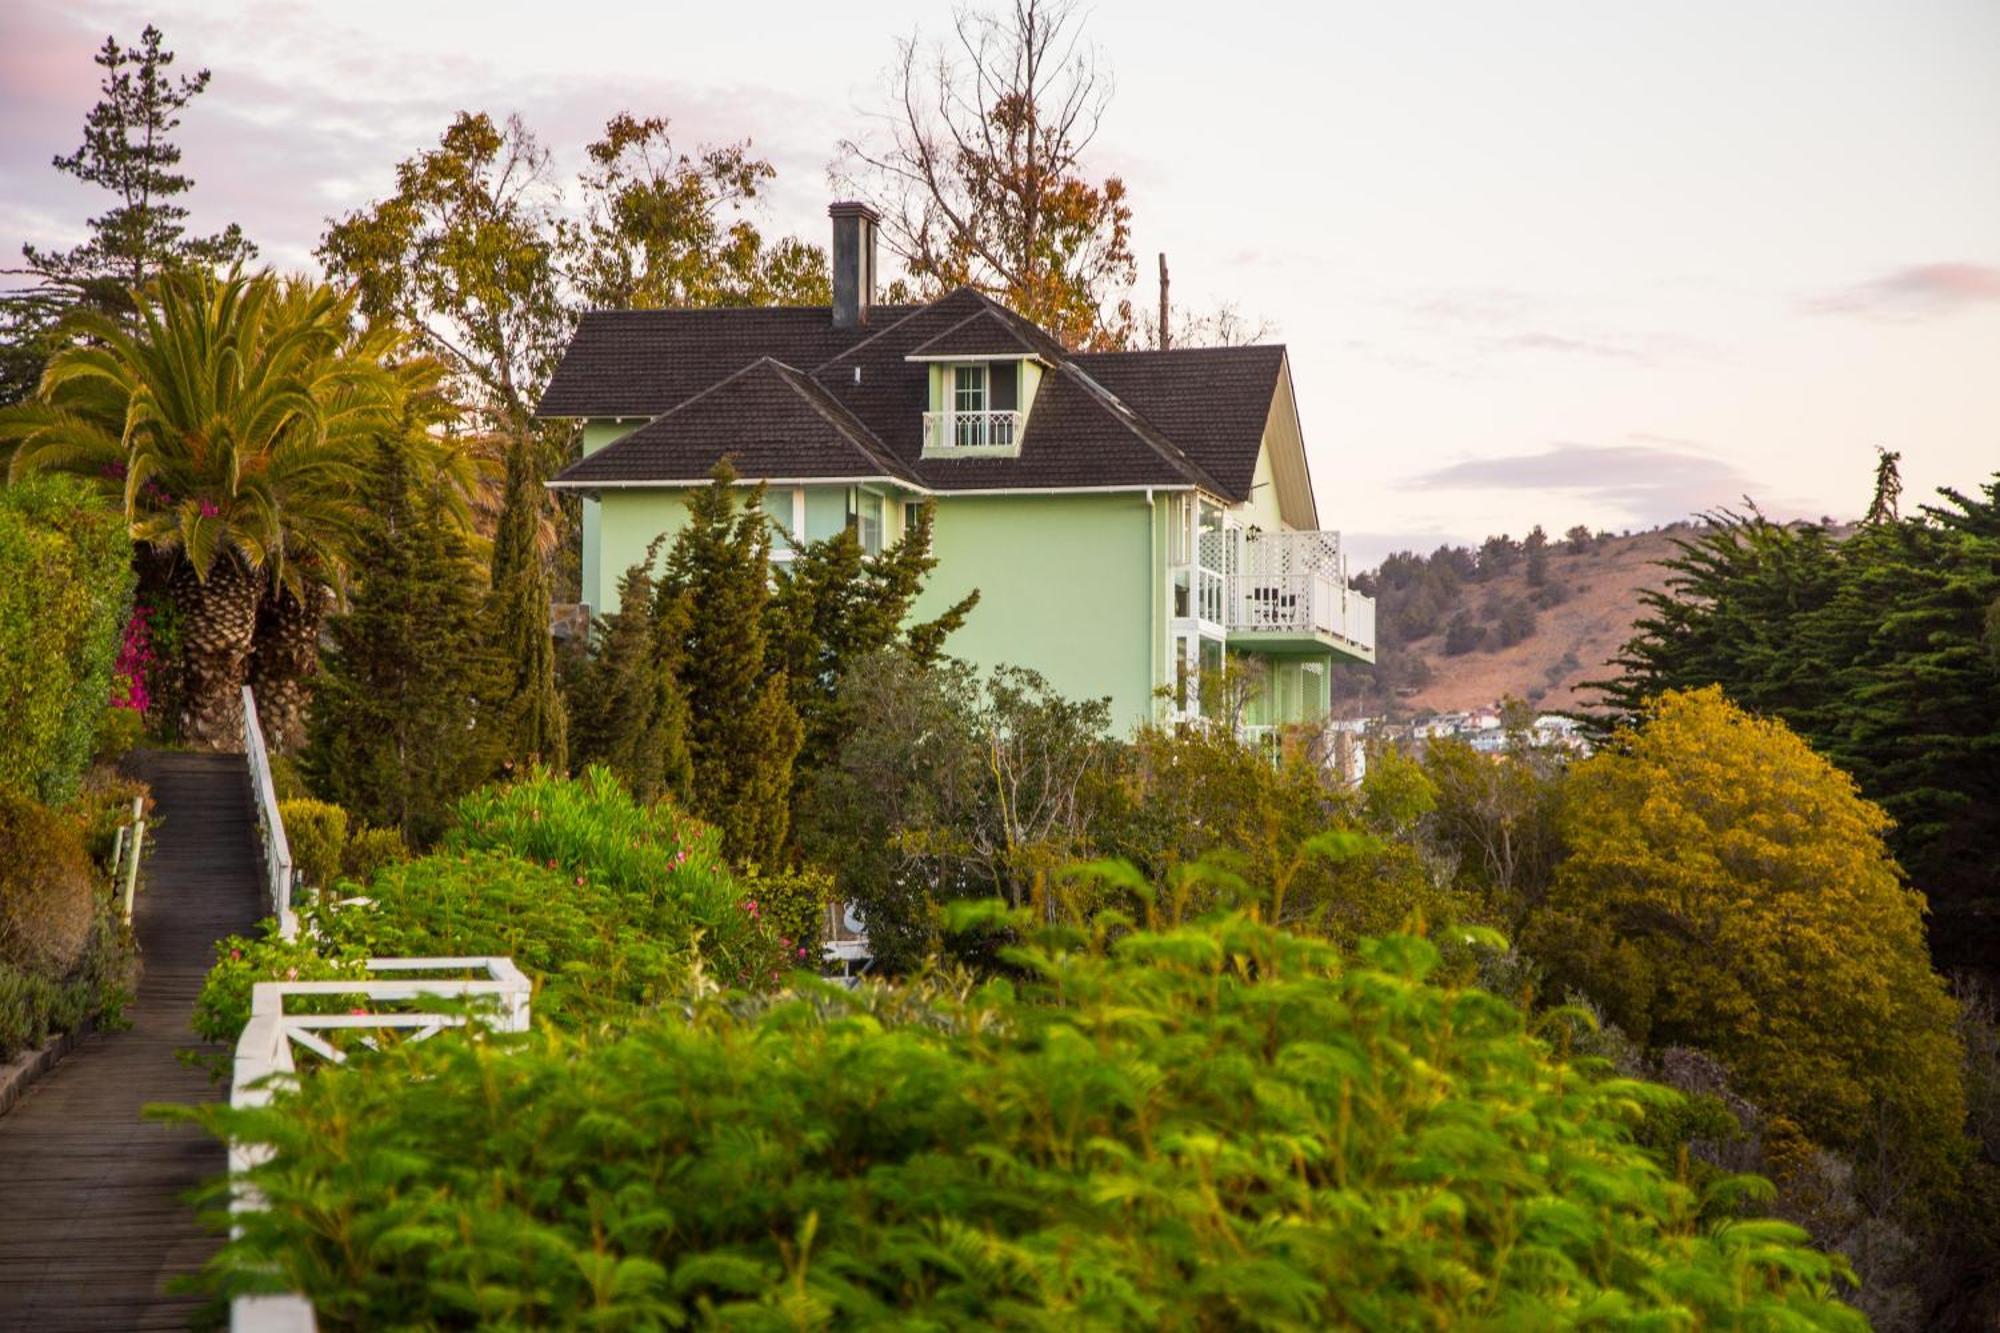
pixel 1571 641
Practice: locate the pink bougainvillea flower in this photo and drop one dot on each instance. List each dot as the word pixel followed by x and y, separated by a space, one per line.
pixel 209 509
pixel 358 1012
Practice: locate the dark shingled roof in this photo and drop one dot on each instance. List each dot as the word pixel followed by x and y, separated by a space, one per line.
pixel 1211 401
pixel 768 419
pixel 785 394
pixel 983 334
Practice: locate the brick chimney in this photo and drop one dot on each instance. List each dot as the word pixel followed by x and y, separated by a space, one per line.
pixel 853 259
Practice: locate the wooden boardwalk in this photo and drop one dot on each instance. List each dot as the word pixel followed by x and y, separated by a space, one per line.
pixel 93 1219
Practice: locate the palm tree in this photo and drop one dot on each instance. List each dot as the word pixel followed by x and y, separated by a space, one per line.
pixel 231 417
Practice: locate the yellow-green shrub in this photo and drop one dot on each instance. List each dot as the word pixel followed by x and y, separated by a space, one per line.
pixel 317 832
pixel 370 850
pixel 47 889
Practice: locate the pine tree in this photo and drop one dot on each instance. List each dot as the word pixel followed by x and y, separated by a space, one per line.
pixel 627 712
pixel 743 733
pixel 400 715
pixel 533 729
pixel 834 606
pixel 128 149
pixel 1537 548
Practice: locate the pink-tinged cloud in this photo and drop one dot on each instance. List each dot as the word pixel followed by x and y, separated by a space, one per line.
pixel 1916 292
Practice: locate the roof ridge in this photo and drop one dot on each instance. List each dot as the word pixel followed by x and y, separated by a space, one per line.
pixel 989 314
pixel 919 309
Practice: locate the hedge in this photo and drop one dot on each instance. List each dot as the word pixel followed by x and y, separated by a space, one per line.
pixel 65 586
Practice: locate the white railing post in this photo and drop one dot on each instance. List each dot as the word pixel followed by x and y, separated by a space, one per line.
pixel 277 848
pixel 264 1065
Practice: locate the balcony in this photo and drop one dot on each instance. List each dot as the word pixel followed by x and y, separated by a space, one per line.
pixel 1288 592
pixel 995 434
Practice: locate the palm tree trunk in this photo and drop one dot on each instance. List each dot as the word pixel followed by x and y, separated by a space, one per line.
pixel 219 624
pixel 284 661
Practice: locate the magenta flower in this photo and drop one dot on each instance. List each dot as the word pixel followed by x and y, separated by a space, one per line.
pixel 209 509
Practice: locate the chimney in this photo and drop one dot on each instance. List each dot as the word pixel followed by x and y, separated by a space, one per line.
pixel 853 263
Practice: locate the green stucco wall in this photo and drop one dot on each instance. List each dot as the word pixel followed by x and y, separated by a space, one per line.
pixel 1065 587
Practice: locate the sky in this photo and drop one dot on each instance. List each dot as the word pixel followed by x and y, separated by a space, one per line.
pixel 1536 262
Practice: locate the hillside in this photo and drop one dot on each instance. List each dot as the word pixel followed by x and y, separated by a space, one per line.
pixel 1463 628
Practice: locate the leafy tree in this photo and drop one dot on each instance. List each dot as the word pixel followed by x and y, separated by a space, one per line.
pixel 661 228
pixel 979 174
pixel 229 423
pixel 950 787
pixel 532 726
pixel 1877 649
pixel 465 254
pixel 1577 540
pixel 1498 555
pixel 127 149
pixel 1493 820
pixel 402 725
pixel 743 733
pixel 627 710
pixel 1727 888
pixel 1289 841
pixel 832 605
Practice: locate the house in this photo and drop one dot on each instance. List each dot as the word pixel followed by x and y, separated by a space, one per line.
pixel 1130 519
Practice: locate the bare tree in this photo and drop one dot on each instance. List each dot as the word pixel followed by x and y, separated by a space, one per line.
pixel 976 167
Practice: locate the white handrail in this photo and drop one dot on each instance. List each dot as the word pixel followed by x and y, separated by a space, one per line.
pixel 265 1065
pixel 277 849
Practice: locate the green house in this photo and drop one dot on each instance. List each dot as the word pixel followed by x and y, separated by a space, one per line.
pixel 1130 519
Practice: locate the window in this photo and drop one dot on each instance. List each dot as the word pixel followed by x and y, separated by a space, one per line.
pixel 911 509
pixel 864 516
pixel 968 405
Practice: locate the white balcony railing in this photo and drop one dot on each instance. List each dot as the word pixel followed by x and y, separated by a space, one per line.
pixel 971 433
pixel 1295 582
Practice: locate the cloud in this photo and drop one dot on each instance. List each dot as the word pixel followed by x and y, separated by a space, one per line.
pixel 1601 348
pixel 1918 291
pixel 1652 479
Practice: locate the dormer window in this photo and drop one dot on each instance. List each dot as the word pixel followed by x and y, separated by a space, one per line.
pixel 978 409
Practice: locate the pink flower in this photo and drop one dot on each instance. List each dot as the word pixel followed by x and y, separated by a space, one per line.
pixel 802 951
pixel 579 880
pixel 291 974
pixel 358 1012
pixel 235 953
pixel 209 509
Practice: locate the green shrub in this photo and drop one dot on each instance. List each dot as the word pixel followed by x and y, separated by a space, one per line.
pixel 223 1006
pixel 104 805
pixel 595 950
pixel 68 563
pixel 669 863
pixel 286 783
pixel 317 832
pixel 47 889
pixel 792 907
pixel 369 850
pixel 1220 1126
pixel 34 1007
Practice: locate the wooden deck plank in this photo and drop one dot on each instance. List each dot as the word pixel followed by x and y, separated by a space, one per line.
pixel 94 1220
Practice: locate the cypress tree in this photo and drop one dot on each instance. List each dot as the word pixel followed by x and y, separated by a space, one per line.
pixel 397 728
pixel 743 732
pixel 834 606
pixel 628 712
pixel 532 726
